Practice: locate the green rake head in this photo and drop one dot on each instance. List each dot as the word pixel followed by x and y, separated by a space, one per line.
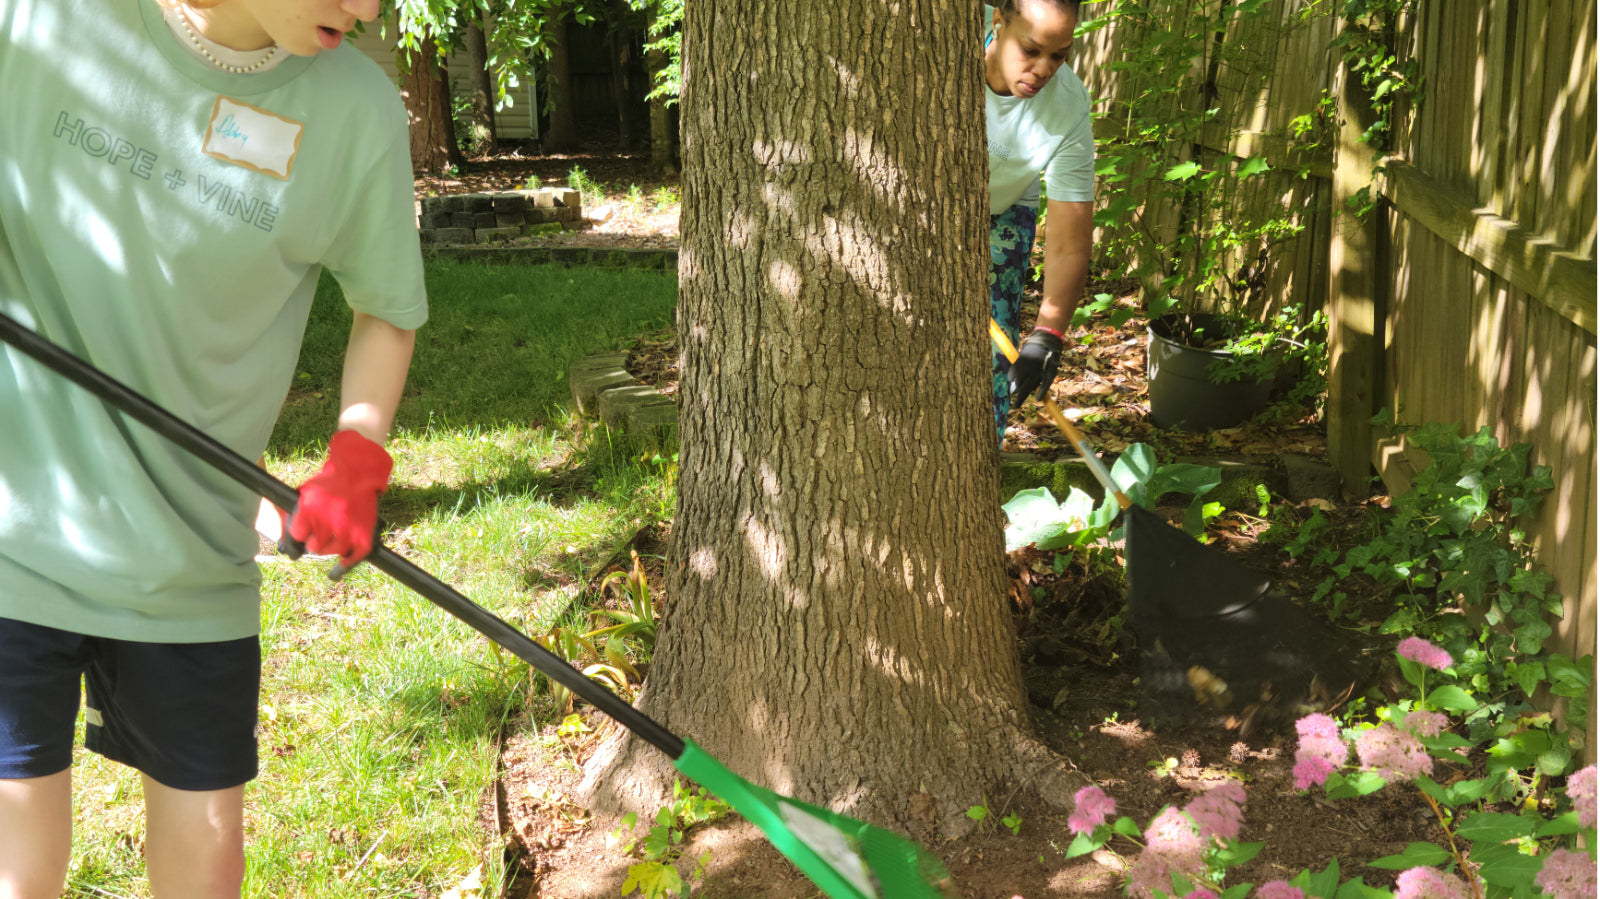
pixel 848 859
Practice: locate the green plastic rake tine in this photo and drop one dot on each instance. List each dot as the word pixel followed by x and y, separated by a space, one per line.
pixel 848 859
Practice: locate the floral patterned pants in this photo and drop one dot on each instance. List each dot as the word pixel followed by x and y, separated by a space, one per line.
pixel 1010 246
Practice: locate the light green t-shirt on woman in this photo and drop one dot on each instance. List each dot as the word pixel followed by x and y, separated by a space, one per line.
pixel 1046 137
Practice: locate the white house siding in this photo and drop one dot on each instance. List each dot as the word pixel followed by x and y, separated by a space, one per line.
pixel 515 121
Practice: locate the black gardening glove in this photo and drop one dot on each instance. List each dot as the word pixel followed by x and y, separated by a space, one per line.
pixel 1035 368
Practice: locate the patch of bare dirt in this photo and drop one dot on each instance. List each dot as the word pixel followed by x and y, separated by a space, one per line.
pixel 1080 667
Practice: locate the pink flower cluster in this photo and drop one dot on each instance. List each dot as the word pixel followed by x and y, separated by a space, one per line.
pixel 1279 889
pixel 1580 787
pixel 1091 808
pixel 1219 811
pixel 1321 751
pixel 1394 753
pixel 1171 843
pixel 1567 875
pixel 1425 724
pixel 1176 841
pixel 1424 653
pixel 1430 883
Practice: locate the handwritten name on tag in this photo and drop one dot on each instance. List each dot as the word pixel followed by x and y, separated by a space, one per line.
pixel 251 137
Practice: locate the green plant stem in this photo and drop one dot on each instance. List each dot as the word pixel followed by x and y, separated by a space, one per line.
pixel 1455 851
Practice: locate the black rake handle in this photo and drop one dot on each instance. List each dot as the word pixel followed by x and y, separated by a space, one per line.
pixel 136 406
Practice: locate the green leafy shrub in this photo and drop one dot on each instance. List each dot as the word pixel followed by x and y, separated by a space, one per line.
pixel 1455 543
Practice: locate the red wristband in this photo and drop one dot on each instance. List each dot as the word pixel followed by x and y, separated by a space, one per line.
pixel 1052 332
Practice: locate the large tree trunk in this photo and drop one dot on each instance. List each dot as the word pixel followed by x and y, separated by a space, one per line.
pixel 662 145
pixel 426 90
pixel 481 102
pixel 562 134
pixel 837 626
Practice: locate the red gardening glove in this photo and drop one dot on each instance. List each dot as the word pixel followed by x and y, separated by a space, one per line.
pixel 337 512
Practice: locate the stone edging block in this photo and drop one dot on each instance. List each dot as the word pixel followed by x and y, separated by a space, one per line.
pixel 602 387
pixel 502 215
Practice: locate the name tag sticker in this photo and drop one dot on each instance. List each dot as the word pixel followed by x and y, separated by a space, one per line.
pixel 251 137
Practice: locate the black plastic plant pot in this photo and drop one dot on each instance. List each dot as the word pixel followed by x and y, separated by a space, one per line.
pixel 1182 393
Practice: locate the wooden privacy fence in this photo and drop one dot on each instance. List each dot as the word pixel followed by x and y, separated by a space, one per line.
pixel 1468 295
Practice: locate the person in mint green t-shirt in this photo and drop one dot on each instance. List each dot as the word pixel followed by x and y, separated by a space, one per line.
pixel 174 178
pixel 1038 129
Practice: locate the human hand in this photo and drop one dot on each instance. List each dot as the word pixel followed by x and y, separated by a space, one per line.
pixel 1035 368
pixel 337 509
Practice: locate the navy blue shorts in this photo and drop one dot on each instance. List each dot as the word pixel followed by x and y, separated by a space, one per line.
pixel 182 713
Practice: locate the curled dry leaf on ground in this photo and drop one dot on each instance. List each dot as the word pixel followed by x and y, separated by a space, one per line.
pixel 1080 666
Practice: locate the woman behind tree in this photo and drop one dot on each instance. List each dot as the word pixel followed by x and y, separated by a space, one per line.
pixel 1037 119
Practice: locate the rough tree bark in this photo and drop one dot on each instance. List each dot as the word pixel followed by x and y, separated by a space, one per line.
pixel 561 135
pixel 482 98
pixel 426 90
pixel 837 626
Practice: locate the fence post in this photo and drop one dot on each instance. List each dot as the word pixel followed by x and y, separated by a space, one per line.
pixel 1355 290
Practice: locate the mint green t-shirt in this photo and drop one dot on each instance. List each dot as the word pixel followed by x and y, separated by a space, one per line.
pixel 1049 134
pixel 169 222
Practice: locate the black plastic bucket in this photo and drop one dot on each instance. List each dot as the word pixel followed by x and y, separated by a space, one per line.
pixel 1182 394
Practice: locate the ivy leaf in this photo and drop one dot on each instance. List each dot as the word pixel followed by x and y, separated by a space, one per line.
pixel 1528 675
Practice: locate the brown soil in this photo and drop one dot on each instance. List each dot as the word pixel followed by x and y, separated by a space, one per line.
pixel 1079 665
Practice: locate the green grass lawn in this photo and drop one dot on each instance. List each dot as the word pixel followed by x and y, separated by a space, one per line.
pixel 381 714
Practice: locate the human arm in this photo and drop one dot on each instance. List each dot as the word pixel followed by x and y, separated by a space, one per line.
pixel 1068 241
pixel 337 510
pixel 375 364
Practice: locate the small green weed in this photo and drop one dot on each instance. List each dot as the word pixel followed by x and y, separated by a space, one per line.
pixel 979 813
pixel 656 875
pixel 591 190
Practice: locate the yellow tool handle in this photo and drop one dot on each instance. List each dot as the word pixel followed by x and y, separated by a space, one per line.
pixel 1054 413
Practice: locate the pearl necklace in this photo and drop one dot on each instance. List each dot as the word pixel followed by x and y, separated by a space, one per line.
pixel 272 52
